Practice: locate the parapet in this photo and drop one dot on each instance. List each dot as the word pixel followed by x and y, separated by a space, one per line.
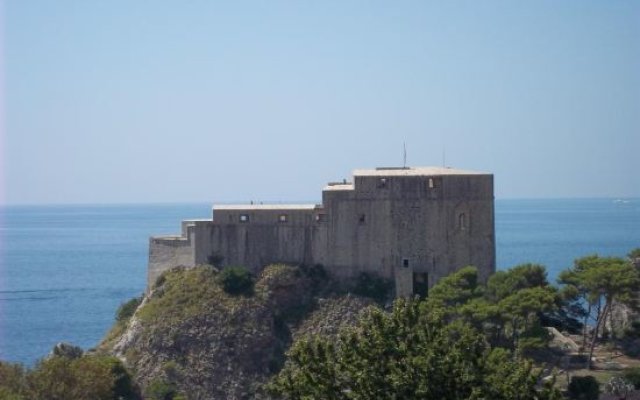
pixel 415 171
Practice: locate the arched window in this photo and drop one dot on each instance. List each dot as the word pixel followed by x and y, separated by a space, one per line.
pixel 462 221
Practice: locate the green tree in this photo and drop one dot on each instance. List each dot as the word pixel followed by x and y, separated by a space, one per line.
pixel 411 352
pixel 576 294
pixel 508 310
pixel 502 284
pixel 521 312
pixel 456 289
pixel 601 282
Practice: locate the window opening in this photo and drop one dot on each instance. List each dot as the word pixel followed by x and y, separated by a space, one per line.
pixel 405 262
pixel 431 183
pixel 362 218
pixel 283 218
pixel 244 217
pixel 321 217
pixel 382 183
pixel 462 221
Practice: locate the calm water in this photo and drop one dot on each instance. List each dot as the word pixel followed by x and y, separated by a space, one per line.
pixel 65 269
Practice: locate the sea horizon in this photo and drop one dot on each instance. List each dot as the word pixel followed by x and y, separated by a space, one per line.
pixel 187 202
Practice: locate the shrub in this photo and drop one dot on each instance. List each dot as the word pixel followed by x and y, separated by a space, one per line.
pixel 13 380
pixel 584 388
pixel 372 286
pixel 123 386
pixel 84 378
pixel 236 280
pixel 161 390
pixel 632 375
pixel 160 280
pixel 315 272
pixel 618 387
pixel 126 309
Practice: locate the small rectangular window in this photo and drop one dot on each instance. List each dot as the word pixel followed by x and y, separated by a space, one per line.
pixel 431 186
pixel 244 217
pixel 321 217
pixel 283 218
pixel 362 218
pixel 405 262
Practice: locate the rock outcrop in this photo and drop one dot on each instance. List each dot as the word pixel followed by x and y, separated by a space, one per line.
pixel 190 335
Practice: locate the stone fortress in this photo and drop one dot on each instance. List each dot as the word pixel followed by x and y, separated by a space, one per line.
pixel 413 225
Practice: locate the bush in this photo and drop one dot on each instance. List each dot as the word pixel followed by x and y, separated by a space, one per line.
pixel 618 387
pixel 584 388
pixel 236 280
pixel 161 390
pixel 84 378
pixel 13 381
pixel 372 286
pixel 315 272
pixel 160 281
pixel 632 375
pixel 126 309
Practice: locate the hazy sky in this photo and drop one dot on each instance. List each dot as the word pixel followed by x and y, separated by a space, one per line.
pixel 140 101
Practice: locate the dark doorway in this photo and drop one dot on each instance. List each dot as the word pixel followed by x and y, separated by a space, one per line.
pixel 421 284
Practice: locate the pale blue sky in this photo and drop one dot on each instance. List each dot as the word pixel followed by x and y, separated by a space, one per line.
pixel 145 101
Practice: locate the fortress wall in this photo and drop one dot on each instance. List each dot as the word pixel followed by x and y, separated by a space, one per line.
pixel 203 247
pixel 402 224
pixel 380 225
pixel 264 238
pixel 471 204
pixel 170 251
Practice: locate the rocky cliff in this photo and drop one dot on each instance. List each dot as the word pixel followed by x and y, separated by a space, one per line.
pixel 190 337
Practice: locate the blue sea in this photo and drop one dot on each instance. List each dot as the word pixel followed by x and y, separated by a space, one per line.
pixel 64 270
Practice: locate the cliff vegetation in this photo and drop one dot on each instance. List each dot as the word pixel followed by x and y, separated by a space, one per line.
pixel 222 335
pixel 294 333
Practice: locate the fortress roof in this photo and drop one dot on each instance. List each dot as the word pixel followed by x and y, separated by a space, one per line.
pixel 339 186
pixel 234 207
pixel 414 171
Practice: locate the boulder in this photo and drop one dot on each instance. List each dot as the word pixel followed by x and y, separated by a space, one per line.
pixel 66 350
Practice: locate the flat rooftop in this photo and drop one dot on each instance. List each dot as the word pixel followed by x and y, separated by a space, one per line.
pixel 415 171
pixel 239 207
pixel 339 186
